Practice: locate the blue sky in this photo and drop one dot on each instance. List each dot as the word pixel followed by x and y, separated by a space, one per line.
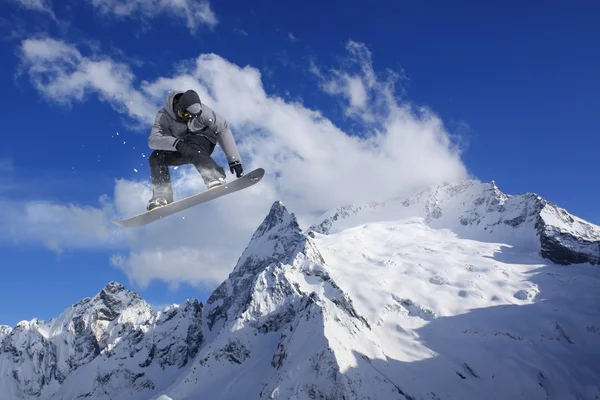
pixel 515 85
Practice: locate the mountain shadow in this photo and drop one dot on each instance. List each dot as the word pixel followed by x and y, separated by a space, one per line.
pixel 548 349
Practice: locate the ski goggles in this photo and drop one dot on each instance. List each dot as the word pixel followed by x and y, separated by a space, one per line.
pixel 192 111
pixel 188 115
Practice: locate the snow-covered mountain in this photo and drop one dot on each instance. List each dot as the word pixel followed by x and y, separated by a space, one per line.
pixel 110 345
pixel 480 211
pixel 459 292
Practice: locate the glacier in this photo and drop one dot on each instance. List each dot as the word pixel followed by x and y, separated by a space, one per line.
pixel 457 292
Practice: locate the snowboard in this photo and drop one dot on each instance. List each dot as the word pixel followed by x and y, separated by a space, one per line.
pixel 155 214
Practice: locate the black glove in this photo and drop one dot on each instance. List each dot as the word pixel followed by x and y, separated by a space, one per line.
pixel 236 167
pixel 185 149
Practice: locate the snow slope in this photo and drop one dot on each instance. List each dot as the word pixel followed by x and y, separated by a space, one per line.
pixel 446 295
pixel 463 319
pixel 481 211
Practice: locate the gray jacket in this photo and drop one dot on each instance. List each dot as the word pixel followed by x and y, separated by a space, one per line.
pixel 167 129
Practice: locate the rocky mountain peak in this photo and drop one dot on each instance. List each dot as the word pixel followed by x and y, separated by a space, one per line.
pixel 274 240
pixel 48 360
pixel 113 288
pixel 114 299
pixel 277 240
pixel 278 220
pixel 364 324
pixel 4 330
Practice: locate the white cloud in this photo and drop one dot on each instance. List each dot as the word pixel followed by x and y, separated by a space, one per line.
pixel 367 97
pixel 194 12
pixel 62 74
pixel 240 31
pixel 194 266
pixel 58 226
pixel 311 164
pixel 37 5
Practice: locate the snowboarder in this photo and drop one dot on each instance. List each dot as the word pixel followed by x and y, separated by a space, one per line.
pixel 186 131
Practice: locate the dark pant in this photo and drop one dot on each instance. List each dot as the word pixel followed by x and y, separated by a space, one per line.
pixel 161 160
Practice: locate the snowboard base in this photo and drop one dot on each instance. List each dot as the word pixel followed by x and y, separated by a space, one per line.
pixel 147 217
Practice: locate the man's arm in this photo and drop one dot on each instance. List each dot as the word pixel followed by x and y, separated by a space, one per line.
pixel 160 139
pixel 224 135
pixel 227 143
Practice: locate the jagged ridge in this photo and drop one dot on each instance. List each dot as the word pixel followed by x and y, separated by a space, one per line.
pixel 481 211
pixel 280 326
pixel 47 360
pixel 279 281
pixel 272 313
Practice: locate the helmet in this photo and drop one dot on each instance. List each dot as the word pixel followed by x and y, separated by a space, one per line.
pixel 189 104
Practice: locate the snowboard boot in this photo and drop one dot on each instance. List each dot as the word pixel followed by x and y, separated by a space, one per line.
pixel 216 182
pixel 156 202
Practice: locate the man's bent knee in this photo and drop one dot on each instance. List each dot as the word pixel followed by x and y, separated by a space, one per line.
pixel 157 156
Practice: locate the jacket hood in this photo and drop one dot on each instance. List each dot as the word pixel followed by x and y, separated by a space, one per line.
pixel 169 103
